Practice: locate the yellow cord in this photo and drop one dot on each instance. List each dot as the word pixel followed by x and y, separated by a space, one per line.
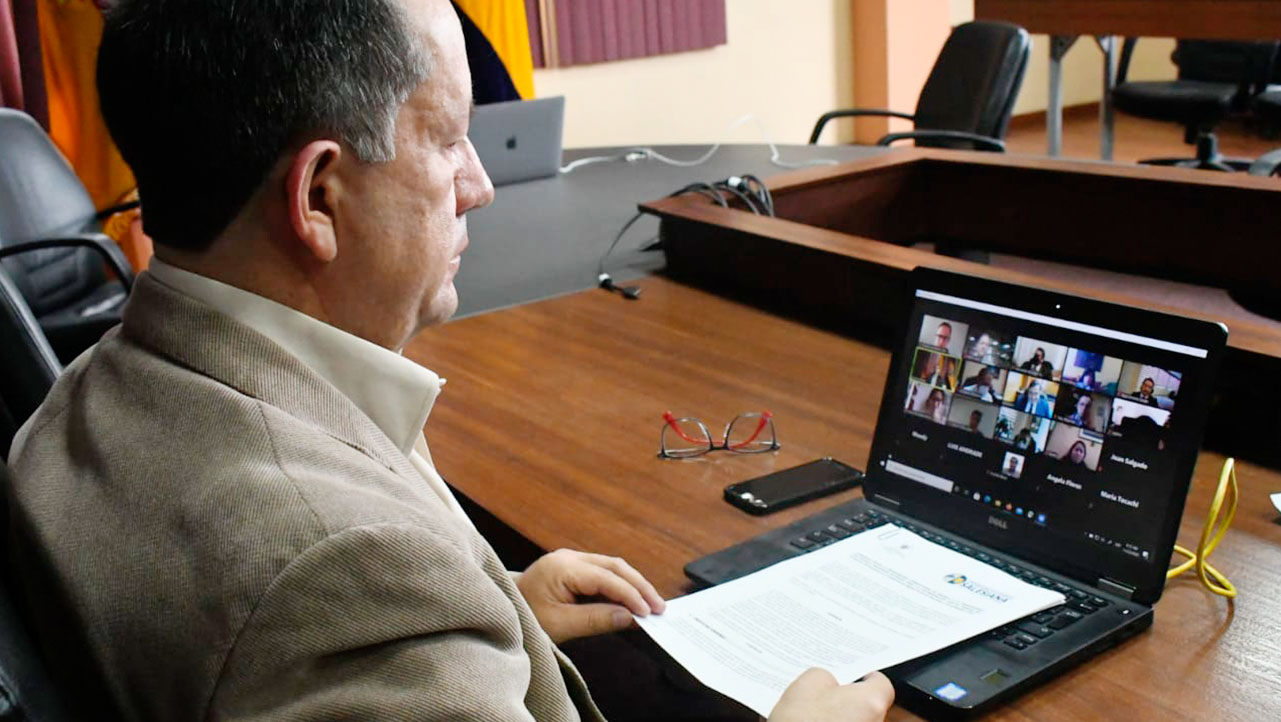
pixel 1211 535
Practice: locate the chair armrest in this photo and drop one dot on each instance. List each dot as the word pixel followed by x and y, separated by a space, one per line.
pixel 851 113
pixel 1267 164
pixel 102 245
pixel 109 211
pixel 982 141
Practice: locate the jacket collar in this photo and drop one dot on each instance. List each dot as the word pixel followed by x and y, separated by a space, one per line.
pixel 215 345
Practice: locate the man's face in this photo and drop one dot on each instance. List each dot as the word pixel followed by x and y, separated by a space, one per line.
pixel 943 336
pixel 1146 387
pixel 975 418
pixel 403 228
pixel 1033 393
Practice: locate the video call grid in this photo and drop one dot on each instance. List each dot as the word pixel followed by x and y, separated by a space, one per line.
pixel 1031 394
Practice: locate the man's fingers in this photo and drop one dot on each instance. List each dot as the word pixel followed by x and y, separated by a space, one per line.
pixel 590 580
pixel 816 697
pixel 636 579
pixel 811 682
pixel 601 618
pixel 873 695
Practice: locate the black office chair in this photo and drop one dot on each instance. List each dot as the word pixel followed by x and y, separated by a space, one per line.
pixel 967 100
pixel 1267 109
pixel 28 366
pixel 27 693
pixel 1268 164
pixel 1216 79
pixel 49 240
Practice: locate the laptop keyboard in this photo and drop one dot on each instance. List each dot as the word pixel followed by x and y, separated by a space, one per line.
pixel 1019 635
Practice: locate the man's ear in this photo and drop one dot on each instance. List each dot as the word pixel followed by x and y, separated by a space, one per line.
pixel 309 191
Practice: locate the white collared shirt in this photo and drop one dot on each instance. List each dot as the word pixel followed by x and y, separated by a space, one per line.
pixel 394 392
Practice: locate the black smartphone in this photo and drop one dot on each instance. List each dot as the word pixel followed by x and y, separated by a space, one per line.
pixel 789 487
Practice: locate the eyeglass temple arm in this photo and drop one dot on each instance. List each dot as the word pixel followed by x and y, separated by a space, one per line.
pixel 670 418
pixel 760 425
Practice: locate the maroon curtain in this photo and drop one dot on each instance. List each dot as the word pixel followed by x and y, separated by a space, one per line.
pixel 535 23
pixel 21 68
pixel 594 31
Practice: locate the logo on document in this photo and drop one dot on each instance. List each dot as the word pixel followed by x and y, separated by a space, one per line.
pixel 960 580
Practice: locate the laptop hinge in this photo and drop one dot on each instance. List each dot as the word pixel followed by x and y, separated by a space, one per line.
pixel 1118 588
pixel 887 500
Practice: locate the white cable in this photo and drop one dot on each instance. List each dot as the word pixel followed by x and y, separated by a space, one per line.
pixel 634 154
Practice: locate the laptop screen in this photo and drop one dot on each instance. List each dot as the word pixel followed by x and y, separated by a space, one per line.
pixel 1063 428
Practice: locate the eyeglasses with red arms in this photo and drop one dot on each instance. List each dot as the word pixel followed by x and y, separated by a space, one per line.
pixel 747 433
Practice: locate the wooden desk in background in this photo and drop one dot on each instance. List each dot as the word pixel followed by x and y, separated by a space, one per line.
pixel 845 237
pixel 551 422
pixel 1065 20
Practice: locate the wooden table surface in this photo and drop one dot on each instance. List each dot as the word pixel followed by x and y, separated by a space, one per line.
pixel 1203 19
pixel 551 420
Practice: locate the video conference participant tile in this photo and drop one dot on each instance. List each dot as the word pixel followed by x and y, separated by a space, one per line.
pixel 1030 394
pixel 982 381
pixel 1138 422
pixel 994 348
pixel 1148 385
pixel 936 368
pixel 1083 408
pixel 929 401
pixel 1024 432
pixel 1041 358
pixel 1074 445
pixel 973 415
pixel 943 334
pixel 1091 371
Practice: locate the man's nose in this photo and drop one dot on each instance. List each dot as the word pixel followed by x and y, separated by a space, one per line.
pixel 476 190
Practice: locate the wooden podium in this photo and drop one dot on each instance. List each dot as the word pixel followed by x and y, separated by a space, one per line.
pixel 844 237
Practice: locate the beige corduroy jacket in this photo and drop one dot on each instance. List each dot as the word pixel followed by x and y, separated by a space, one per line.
pixel 206 529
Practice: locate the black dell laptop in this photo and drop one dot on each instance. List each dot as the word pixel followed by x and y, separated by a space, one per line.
pixel 1051 436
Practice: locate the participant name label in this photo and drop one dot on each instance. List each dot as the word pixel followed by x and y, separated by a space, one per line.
pixel 1119 499
pixel 965 450
pixel 919 436
pixel 1135 463
pixel 1064 482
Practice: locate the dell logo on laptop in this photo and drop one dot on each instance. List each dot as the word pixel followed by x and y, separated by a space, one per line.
pixel 999 523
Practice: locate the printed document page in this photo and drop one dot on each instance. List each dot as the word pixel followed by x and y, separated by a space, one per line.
pixel 868 602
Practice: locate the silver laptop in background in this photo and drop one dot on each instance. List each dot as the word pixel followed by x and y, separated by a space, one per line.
pixel 519 140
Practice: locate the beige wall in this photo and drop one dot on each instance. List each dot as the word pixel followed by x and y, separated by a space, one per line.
pixel 785 62
pixel 1082 67
pixel 895 45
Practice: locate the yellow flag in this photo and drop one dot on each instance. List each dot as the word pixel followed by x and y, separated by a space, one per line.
pixel 503 26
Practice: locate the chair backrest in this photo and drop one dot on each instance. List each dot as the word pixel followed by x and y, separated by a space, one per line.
pixel 41 197
pixel 1247 64
pixel 39 192
pixel 28 366
pixel 975 81
pixel 27 693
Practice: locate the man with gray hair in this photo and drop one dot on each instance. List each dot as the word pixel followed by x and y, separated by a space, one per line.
pixel 226 509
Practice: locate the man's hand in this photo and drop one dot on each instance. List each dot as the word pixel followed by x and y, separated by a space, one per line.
pixel 555 585
pixel 816 697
